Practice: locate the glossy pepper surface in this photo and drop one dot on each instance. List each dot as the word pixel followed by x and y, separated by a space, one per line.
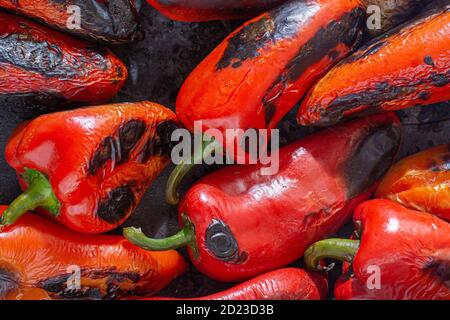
pixel 282 284
pixel 239 223
pixel 110 21
pixel 39 260
pixel 402 255
pixel 407 67
pixel 421 182
pixel 206 10
pixel 45 67
pixel 256 75
pixel 89 168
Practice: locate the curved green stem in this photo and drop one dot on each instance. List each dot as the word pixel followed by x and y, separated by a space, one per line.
pixel 183 168
pixel 38 194
pixel 337 249
pixel 186 237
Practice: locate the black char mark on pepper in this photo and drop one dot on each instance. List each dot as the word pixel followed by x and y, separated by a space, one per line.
pixel 8 282
pixel 46 59
pixel 162 143
pixel 129 134
pixel 347 30
pixel 371 159
pixel 117 204
pixel 281 23
pixel 58 288
pixel 440 269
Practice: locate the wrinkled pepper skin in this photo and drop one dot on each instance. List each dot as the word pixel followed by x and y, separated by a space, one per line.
pixel 38 257
pixel 108 21
pixel 395 12
pixel 421 182
pixel 253 78
pixel 407 67
pixel 244 223
pixel 99 160
pixel 207 10
pixel 282 284
pixel 48 68
pixel 411 249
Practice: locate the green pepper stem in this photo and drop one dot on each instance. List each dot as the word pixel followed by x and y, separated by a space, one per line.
pixel 337 249
pixel 38 194
pixel 181 239
pixel 183 168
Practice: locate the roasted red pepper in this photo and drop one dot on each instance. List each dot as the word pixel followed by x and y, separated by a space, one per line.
pixel 239 223
pixel 402 255
pixel 89 168
pixel 110 21
pixel 421 182
pixel 408 67
pixel 282 284
pixel 39 66
pixel 261 70
pixel 206 10
pixel 37 258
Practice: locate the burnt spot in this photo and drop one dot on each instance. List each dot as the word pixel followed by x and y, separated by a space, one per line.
pixel 8 282
pixel 439 80
pixel 161 143
pixel 116 205
pixel 333 55
pixel 369 49
pixel 439 269
pixel 109 285
pixel 281 23
pixel 371 158
pixel 129 135
pixel 424 95
pixel 105 152
pixel 222 244
pixel 429 61
pixel 347 30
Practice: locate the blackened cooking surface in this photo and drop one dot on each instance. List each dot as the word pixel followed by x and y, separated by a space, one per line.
pixel 158 65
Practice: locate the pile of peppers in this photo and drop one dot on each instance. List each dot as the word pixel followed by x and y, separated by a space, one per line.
pixel 84 171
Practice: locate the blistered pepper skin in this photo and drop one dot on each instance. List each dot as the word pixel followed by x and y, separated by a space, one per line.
pixel 407 67
pixel 247 223
pixel 108 21
pixel 282 284
pixel 409 249
pixel 256 75
pixel 37 258
pixel 48 68
pixel 99 160
pixel 207 10
pixel 421 182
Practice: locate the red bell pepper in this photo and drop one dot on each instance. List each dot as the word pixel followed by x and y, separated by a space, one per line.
pixel 421 182
pixel 282 284
pixel 43 67
pixel 239 223
pixel 110 21
pixel 259 73
pixel 41 260
pixel 89 168
pixel 402 255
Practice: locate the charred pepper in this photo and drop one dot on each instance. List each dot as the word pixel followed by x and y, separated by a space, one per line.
pixel 89 168
pixel 239 223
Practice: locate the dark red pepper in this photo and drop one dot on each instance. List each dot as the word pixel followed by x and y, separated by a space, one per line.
pixel 43 67
pixel 239 223
pixel 402 255
pixel 89 168
pixel 282 284
pixel 206 10
pixel 109 21
pixel 253 78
